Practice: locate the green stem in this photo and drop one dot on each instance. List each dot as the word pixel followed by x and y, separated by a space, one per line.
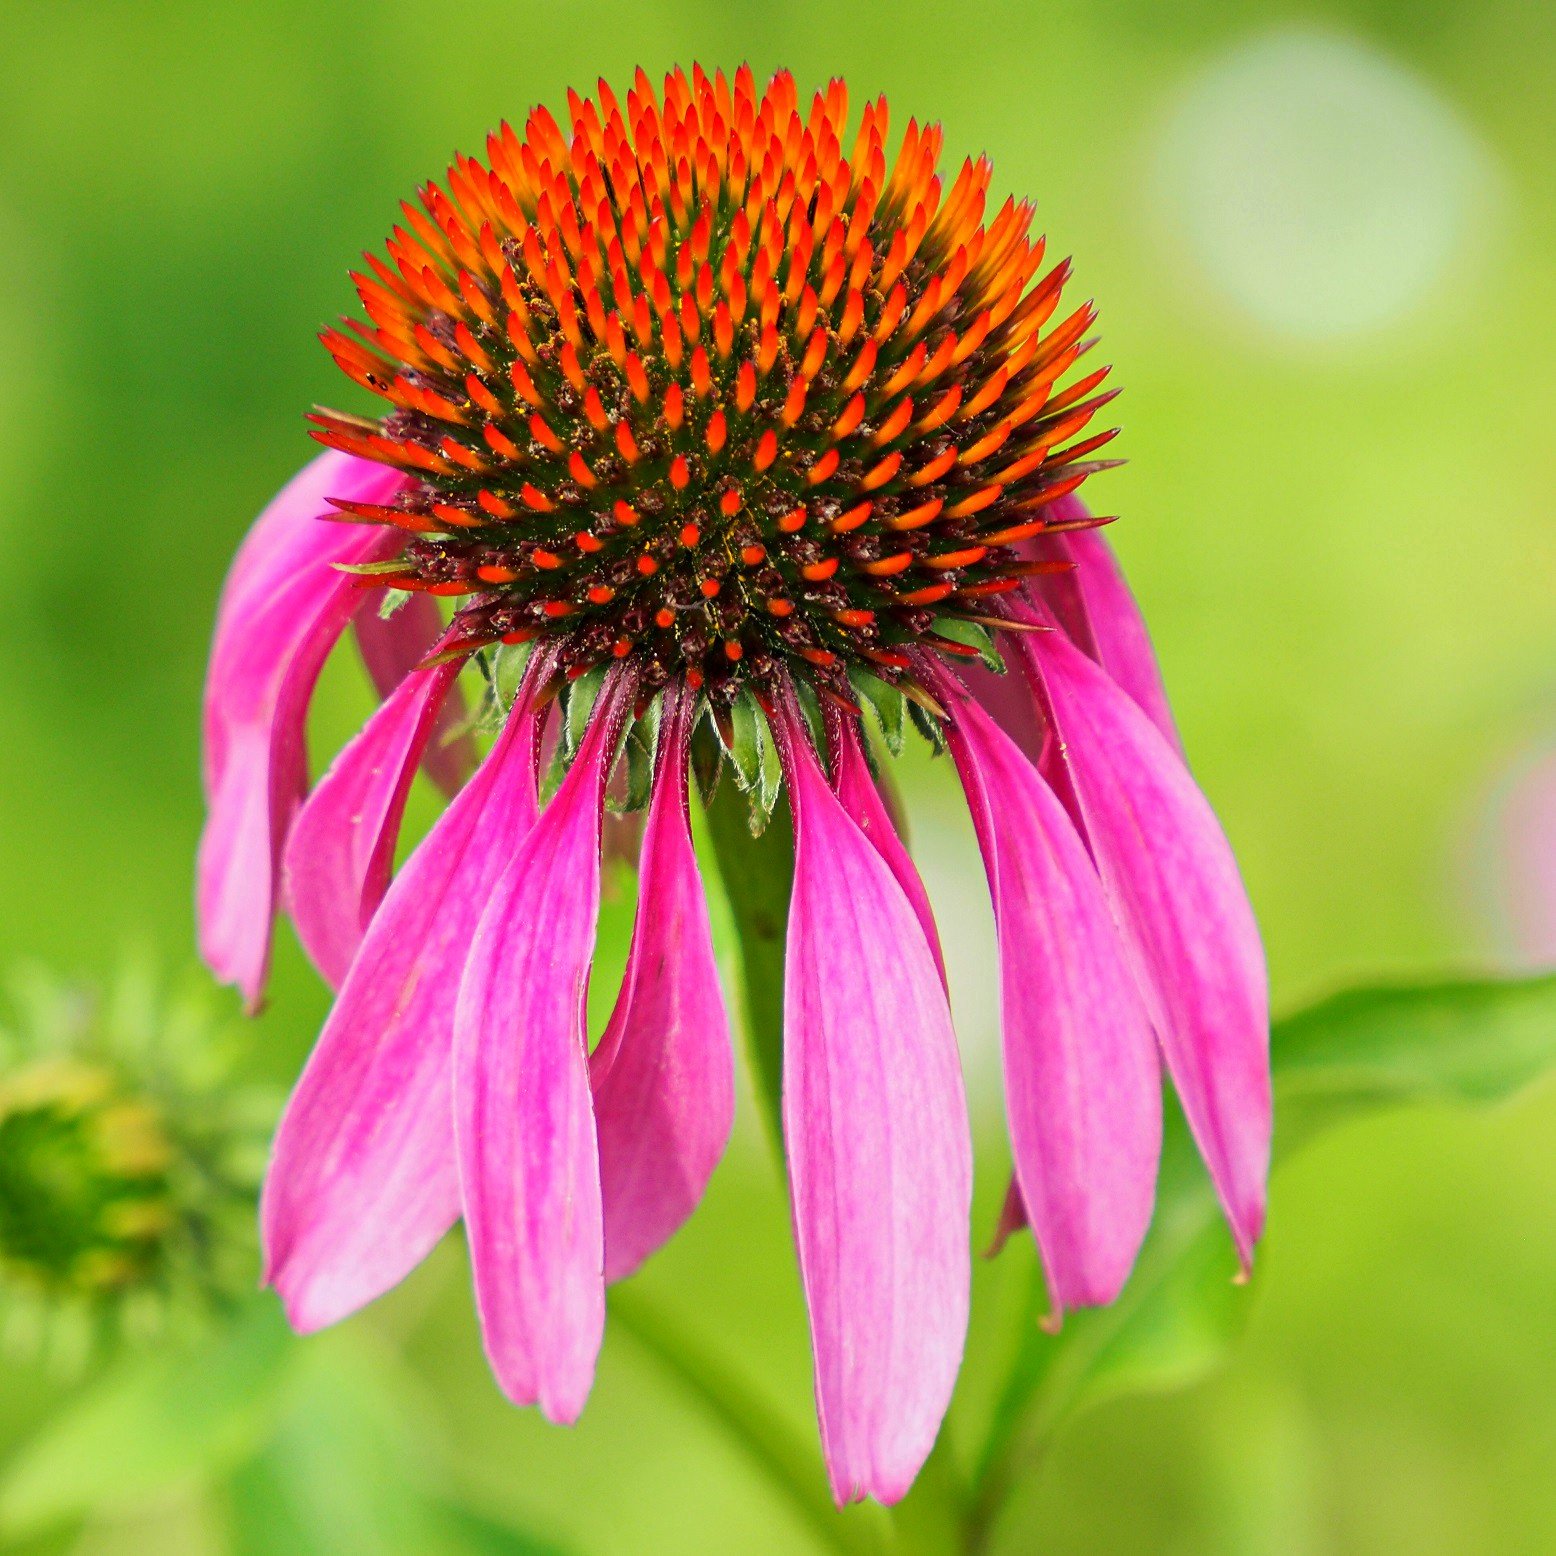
pixel 758 873
pixel 932 1518
pixel 782 1454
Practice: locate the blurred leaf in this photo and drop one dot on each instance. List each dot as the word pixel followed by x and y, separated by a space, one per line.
pixel 481 1535
pixel 352 1470
pixel 1364 1049
pixel 1466 1041
pixel 152 1424
pixel 57 1541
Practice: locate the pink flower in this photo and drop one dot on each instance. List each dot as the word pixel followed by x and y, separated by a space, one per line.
pixel 727 431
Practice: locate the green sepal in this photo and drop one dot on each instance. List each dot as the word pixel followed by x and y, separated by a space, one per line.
pixel 579 698
pixel 639 748
pixel 743 736
pixel 927 725
pixel 752 757
pixel 370 569
pixel 810 706
pixel 971 634
pixel 889 706
pixel 707 758
pixel 575 704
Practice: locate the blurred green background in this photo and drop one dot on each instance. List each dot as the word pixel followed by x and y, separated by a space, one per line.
pixel 1322 238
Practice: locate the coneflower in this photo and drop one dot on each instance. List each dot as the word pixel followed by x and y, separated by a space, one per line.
pixel 727 427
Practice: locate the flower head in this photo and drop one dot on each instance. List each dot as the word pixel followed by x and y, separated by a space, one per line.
pixel 700 389
pixel 728 433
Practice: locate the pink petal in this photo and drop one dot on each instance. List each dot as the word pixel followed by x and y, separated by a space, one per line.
pixel 283 542
pixel 363 1179
pixel 528 1160
pixel 861 798
pixel 880 1161
pixel 392 646
pixel 1184 915
pixel 340 851
pixel 663 1073
pixel 1082 1081
pixel 1112 630
pixel 1008 698
pixel 284 606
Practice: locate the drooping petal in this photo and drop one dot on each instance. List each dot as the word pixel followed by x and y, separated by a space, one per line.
pixel 857 791
pixel 284 606
pixel 1110 627
pixel 340 851
pixel 663 1073
pixel 363 1179
pixel 880 1161
pixel 1082 1080
pixel 523 1120
pixel 392 646
pixel 1184 915
pixel 283 541
pixel 1008 699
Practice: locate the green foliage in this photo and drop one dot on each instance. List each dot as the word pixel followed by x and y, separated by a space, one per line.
pixel 307 1448
pixel 153 1424
pixel 1470 1041
pixel 351 1469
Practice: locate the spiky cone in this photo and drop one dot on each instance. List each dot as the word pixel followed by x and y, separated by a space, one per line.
pixel 729 431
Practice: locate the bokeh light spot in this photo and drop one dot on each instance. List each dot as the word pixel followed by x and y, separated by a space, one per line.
pixel 1322 187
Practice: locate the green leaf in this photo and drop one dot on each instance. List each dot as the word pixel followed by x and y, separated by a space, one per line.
pixel 1469 1041
pixel 153 1424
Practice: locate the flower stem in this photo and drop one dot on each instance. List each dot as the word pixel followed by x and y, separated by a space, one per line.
pixel 758 873
pixel 933 1517
pixel 773 1446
